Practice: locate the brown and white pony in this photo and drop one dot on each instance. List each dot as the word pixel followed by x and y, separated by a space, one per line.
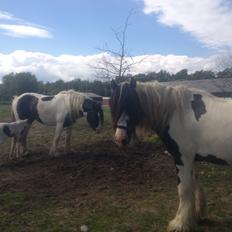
pixel 193 124
pixel 61 110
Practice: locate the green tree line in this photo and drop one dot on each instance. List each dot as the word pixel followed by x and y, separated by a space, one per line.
pixel 18 83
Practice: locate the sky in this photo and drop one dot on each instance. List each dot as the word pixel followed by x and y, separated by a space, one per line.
pixel 63 39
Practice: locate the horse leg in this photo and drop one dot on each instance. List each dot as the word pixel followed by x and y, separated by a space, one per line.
pixel 13 140
pixel 200 201
pixel 12 149
pixel 58 131
pixel 68 139
pixel 185 219
pixel 24 141
pixel 21 143
pixel 18 149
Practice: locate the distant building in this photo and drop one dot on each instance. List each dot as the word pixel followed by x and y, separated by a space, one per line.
pixel 221 87
pixel 106 101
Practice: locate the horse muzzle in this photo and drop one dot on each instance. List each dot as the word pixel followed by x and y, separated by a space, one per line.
pixel 121 138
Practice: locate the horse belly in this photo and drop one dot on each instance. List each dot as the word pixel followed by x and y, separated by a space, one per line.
pixel 49 112
pixel 204 138
pixel 48 117
pixel 216 140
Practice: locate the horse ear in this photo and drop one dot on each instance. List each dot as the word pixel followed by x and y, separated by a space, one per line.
pixel 133 83
pixel 113 84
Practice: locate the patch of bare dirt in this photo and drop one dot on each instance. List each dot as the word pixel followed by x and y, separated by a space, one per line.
pixel 91 170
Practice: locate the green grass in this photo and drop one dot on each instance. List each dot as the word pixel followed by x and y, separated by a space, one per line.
pixel 31 199
pixel 4 112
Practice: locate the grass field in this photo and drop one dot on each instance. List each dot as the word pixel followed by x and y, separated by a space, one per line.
pixel 101 186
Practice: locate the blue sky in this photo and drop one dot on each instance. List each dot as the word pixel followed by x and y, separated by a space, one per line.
pixel 82 26
pixel 181 31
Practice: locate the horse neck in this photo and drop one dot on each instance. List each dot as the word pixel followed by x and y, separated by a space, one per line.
pixel 158 103
pixel 75 100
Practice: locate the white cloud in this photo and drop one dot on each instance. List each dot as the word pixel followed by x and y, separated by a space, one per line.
pixel 6 16
pixel 67 67
pixel 207 20
pixel 16 27
pixel 25 31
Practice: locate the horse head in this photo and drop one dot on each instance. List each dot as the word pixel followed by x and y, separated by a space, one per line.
pixel 18 128
pixel 126 110
pixel 94 114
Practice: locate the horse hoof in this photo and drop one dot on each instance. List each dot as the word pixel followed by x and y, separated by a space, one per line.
pixel 51 154
pixel 25 154
pixel 54 154
pixel 178 226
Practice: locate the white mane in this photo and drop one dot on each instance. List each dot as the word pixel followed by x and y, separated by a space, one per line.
pixel 160 101
pixel 75 101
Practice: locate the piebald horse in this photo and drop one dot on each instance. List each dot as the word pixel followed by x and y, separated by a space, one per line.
pixel 185 119
pixel 12 129
pixel 61 110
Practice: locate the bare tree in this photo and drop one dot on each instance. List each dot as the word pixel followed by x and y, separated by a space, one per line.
pixel 116 63
pixel 224 61
pixel 224 72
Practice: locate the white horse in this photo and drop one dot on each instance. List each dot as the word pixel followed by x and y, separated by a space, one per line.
pixel 193 124
pixel 61 111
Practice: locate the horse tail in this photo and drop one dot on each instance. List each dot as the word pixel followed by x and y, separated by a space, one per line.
pixel 13 140
pixel 13 118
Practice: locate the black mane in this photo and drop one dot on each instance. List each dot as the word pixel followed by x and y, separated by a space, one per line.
pixel 124 98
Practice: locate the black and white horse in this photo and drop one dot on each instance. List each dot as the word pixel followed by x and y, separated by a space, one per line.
pixel 61 111
pixel 12 129
pixel 193 124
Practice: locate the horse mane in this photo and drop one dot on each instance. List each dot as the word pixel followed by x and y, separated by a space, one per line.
pixel 159 102
pixel 75 101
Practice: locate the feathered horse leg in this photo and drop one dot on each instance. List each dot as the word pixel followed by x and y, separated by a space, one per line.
pixel 185 219
pixel 200 200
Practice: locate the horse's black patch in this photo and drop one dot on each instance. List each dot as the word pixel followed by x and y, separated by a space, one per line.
pixel 198 106
pixel 81 113
pixel 48 98
pixel 7 131
pixel 211 159
pixel 94 112
pixel 68 121
pixel 172 146
pixel 178 180
pixel 27 108
pixel 177 173
pixel 87 105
